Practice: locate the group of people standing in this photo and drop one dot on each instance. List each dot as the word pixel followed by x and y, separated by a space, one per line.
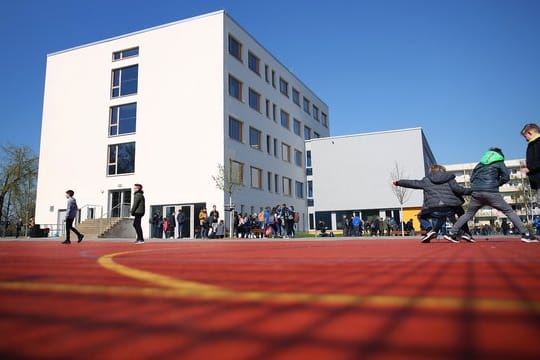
pixel 277 221
pixel 168 226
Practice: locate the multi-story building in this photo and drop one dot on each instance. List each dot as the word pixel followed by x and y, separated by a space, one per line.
pixel 516 192
pixel 166 107
pixel 354 174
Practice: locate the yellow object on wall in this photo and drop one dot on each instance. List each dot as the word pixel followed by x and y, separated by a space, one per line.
pixel 412 213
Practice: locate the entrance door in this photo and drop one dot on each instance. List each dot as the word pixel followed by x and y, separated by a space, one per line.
pixel 188 231
pixel 119 203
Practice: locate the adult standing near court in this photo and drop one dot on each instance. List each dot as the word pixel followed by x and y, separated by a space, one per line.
pixel 137 210
pixel 531 133
pixel 180 219
pixel 71 214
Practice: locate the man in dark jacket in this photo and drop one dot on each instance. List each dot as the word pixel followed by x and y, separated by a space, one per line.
pixel 137 210
pixel 531 133
pixel 442 196
pixel 487 176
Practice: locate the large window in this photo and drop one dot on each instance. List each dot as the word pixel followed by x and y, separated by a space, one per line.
pixel 121 159
pixel 307 104
pixel 237 172
pixel 235 48
pixel 324 119
pixel 255 138
pixel 287 186
pixel 285 152
pixel 235 88
pixel 310 189
pixel 299 187
pixel 298 157
pixel 256 178
pixel 254 63
pixel 124 81
pixel 297 127
pixel 123 54
pixel 254 100
pixel 235 129
pixel 296 96
pixel 122 119
pixel 308 158
pixel 315 112
pixel 284 87
pixel 285 119
pixel 307 133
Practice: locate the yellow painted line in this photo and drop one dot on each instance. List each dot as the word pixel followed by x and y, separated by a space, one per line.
pixel 206 291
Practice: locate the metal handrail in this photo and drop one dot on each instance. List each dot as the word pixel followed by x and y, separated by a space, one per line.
pixel 107 214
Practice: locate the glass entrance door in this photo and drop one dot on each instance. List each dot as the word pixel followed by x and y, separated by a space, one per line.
pixel 119 203
pixel 188 230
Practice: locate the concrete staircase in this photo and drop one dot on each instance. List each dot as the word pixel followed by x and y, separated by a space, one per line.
pixel 106 228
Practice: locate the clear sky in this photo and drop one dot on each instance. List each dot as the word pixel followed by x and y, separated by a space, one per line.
pixel 466 71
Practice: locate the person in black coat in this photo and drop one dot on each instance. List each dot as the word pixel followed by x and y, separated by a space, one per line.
pixel 531 133
pixel 442 198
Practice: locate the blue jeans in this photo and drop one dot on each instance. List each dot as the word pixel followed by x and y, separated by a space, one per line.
pixel 437 217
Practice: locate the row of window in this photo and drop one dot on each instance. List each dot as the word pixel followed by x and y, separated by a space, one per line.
pixel 255 138
pixel 254 101
pixel 254 64
pixel 273 183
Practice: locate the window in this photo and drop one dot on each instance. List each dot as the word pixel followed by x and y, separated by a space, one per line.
pixel 285 152
pixel 237 172
pixel 124 81
pixel 284 87
pixel 266 73
pixel 298 157
pixel 306 105
pixel 324 119
pixel 315 112
pixel 256 178
pixel 235 48
pixel 254 138
pixel 122 119
pixel 285 119
pixel 268 144
pixel 235 129
pixel 254 100
pixel 310 189
pixel 273 78
pixel 299 187
pixel 254 63
pixel 308 158
pixel 296 127
pixel 316 135
pixel 123 54
pixel 274 110
pixel 121 159
pixel 307 133
pixel 287 183
pixel 267 108
pixel 296 96
pixel 275 147
pixel 235 88
pixel 269 181
pixel 276 183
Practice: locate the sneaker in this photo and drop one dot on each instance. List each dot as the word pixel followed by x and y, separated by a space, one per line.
pixel 80 238
pixel 467 237
pixel 430 235
pixel 451 237
pixel 139 242
pixel 66 242
pixel 528 238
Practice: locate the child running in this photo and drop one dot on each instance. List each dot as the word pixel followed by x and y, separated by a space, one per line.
pixel 487 176
pixel 442 199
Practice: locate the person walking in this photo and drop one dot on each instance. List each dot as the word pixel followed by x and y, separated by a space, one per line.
pixel 137 210
pixel 71 214
pixel 487 176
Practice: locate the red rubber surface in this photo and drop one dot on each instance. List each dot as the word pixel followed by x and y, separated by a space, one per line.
pixel 350 299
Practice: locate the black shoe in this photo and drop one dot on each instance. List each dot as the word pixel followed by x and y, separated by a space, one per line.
pixel 430 235
pixel 67 242
pixel 81 236
pixel 467 237
pixel 528 238
pixel 451 237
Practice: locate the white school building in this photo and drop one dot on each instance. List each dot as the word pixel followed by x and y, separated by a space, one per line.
pixel 165 107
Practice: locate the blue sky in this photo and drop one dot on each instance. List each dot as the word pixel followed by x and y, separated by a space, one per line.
pixel 467 72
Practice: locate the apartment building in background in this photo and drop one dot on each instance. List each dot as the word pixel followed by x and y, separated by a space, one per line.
pixel 166 107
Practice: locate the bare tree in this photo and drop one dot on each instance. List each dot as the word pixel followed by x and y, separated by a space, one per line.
pixel 227 182
pixel 402 194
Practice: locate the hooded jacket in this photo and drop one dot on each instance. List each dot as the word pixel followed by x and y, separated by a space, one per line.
pixel 533 161
pixel 490 173
pixel 441 191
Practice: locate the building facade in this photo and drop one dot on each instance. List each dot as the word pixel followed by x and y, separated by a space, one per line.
pixel 354 174
pixel 167 107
